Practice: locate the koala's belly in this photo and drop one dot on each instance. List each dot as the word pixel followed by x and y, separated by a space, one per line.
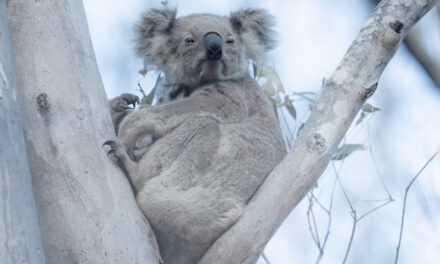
pixel 186 222
pixel 204 184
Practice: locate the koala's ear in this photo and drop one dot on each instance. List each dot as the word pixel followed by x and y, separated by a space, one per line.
pixel 255 27
pixel 151 29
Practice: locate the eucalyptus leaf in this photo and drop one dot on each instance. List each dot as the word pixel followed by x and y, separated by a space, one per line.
pixel 361 118
pixel 299 129
pixel 270 74
pixel 369 108
pixel 290 107
pixel 274 104
pixel 305 97
pixel 347 149
pixel 268 89
pixel 148 99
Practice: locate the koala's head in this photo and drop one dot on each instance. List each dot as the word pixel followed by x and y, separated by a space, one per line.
pixel 203 47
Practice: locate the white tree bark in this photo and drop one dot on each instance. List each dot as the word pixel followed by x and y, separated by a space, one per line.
pixel 353 82
pixel 20 240
pixel 86 209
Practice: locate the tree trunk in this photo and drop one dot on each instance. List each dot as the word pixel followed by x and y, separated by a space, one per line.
pixel 86 209
pixel 20 240
pixel 353 82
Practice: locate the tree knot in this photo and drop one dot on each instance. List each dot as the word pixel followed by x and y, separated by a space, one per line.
pixel 315 142
pixel 397 26
pixel 43 103
pixel 370 90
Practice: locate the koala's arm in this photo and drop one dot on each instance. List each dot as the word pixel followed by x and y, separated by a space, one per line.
pixel 159 120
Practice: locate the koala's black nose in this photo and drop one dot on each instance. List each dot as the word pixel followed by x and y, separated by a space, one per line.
pixel 213 45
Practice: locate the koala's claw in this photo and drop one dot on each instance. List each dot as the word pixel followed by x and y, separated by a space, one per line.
pixel 123 102
pixel 109 143
pixel 113 146
pixel 111 152
pixel 129 99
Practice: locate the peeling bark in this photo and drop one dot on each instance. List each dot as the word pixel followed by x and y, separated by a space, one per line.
pixel 86 208
pixel 345 92
pixel 20 240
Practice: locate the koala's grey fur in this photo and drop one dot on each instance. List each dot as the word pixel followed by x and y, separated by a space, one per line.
pixel 214 145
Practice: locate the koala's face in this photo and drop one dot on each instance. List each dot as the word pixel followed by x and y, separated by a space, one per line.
pixel 204 48
pixel 200 48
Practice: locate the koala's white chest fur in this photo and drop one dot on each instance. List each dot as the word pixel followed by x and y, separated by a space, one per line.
pixel 212 149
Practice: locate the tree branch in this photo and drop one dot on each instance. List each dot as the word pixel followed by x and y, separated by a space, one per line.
pixel 430 65
pixel 353 82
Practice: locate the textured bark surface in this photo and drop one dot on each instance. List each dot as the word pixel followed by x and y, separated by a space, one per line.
pixel 352 83
pixel 86 208
pixel 20 240
pixel 414 43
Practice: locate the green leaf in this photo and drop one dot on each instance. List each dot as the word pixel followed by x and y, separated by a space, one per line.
pixel 277 99
pixel 369 108
pixel 270 74
pixel 274 104
pixel 290 107
pixel 148 99
pixel 268 89
pixel 299 129
pixel 305 97
pixel 344 151
pixel 306 93
pixel 361 118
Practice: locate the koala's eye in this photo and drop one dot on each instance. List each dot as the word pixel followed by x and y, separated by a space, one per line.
pixel 230 41
pixel 189 40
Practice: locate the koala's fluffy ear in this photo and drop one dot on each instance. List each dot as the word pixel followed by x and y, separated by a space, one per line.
pixel 255 28
pixel 151 31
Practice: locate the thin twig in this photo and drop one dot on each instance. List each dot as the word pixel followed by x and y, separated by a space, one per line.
pixel 404 205
pixel 312 232
pixel 374 209
pixel 376 167
pixel 290 138
pixel 265 258
pixel 141 89
pixel 353 215
pixel 313 228
pixel 353 230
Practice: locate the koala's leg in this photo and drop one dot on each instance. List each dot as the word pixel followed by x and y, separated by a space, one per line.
pixel 118 154
pixel 183 195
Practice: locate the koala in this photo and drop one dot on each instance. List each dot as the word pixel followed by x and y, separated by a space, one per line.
pixel 213 139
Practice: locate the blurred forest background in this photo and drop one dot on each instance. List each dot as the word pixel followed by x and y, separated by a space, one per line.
pixel 362 192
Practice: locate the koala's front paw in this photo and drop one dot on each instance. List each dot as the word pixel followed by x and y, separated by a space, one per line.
pixel 119 156
pixel 123 102
pixel 117 152
pixel 120 107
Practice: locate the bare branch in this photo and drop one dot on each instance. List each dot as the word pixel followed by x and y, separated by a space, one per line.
pixel 404 205
pixel 413 43
pixel 428 63
pixel 265 258
pixel 390 197
pixel 353 231
pixel 353 82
